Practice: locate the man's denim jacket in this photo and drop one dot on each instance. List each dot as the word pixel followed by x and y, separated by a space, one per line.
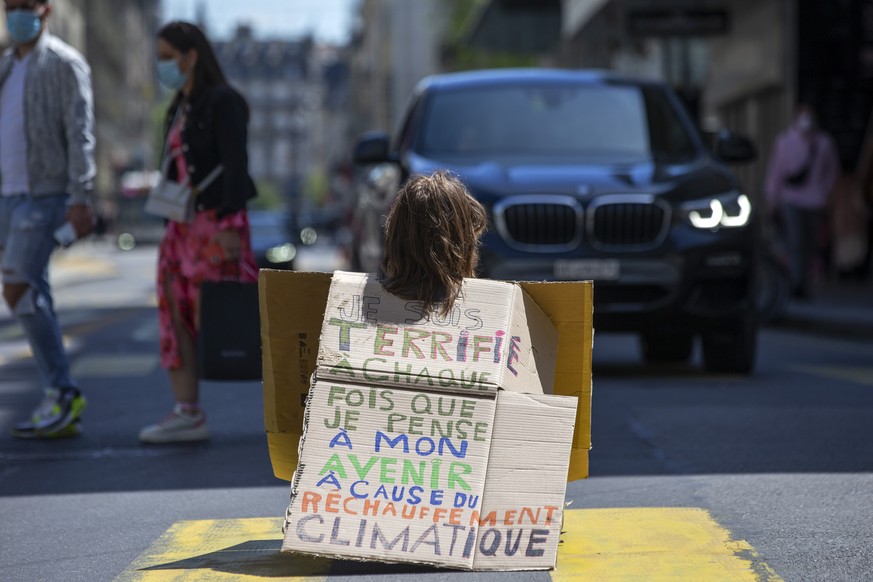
pixel 59 119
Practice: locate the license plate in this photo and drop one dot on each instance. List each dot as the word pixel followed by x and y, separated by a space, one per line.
pixel 596 269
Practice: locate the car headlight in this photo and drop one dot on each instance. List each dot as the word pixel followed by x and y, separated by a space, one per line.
pixel 731 210
pixel 282 253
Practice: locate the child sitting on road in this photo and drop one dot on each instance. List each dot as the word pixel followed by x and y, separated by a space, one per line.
pixel 432 240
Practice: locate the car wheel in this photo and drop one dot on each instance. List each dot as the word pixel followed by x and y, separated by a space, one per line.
pixel 772 289
pixel 731 350
pixel 666 346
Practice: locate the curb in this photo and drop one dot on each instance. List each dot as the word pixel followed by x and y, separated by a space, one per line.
pixel 860 330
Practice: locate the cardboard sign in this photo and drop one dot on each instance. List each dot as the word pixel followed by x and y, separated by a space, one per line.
pixel 389 474
pixel 495 337
pixel 293 306
pixel 404 476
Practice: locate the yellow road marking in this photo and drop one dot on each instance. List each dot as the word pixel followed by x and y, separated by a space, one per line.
pixel 225 549
pixel 84 264
pixel 858 375
pixel 651 544
pixel 654 544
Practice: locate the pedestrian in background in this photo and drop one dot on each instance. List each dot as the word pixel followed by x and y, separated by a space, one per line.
pixel 205 132
pixel 46 178
pixel 848 227
pixel 802 171
pixel 432 240
pixel 865 184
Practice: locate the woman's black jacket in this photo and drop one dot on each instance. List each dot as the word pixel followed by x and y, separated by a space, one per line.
pixel 215 132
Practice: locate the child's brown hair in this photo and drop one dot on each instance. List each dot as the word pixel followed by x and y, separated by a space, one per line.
pixel 432 240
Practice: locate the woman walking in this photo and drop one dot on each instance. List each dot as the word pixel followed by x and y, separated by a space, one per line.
pixel 205 139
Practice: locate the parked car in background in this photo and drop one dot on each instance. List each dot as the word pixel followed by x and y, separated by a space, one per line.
pixel 273 244
pixel 377 186
pixel 128 222
pixel 589 175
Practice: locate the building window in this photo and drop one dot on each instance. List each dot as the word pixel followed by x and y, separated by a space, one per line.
pixel 258 91
pixel 256 120
pixel 281 91
pixel 258 163
pixel 282 159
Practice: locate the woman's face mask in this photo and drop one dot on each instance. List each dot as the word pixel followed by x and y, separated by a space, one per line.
pixel 23 25
pixel 170 75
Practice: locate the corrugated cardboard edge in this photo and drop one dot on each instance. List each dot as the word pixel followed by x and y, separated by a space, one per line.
pixel 295 477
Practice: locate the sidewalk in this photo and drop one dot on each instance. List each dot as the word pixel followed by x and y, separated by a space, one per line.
pixel 843 308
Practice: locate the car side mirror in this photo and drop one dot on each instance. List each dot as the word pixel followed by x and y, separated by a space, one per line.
pixel 372 148
pixel 735 148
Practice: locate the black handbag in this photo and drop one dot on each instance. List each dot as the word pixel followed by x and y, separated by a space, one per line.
pixel 229 344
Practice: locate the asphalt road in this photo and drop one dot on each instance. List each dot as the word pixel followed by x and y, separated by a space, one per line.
pixel 782 460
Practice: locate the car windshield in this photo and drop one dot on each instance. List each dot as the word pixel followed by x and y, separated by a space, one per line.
pixel 608 122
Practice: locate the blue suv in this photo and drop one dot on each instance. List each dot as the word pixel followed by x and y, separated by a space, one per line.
pixel 588 175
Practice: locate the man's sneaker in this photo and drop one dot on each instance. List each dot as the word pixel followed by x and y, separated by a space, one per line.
pixel 73 429
pixel 59 408
pixel 177 427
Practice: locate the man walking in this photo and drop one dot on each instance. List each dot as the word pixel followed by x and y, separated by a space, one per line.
pixel 46 174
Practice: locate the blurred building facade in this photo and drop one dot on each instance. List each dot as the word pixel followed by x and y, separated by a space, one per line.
pixel 396 44
pixel 120 47
pixel 298 94
pixel 277 79
pixel 335 136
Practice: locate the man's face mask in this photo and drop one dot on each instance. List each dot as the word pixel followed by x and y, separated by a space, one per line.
pixel 23 24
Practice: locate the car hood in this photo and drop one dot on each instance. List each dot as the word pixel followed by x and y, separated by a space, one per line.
pixel 497 177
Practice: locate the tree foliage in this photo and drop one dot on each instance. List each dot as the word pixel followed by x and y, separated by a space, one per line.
pixel 458 55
